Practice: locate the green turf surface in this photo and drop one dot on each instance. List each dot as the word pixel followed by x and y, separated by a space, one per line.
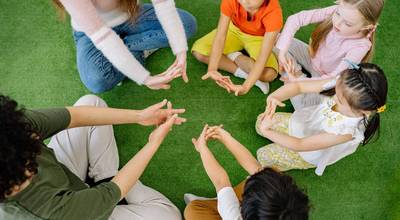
pixel 38 68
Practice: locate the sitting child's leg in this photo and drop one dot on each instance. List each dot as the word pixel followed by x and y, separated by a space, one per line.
pixel 277 156
pixel 281 123
pixel 201 49
pixel 281 158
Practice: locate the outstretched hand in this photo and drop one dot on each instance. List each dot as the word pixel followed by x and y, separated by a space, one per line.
pixel 158 135
pixel 272 102
pixel 162 80
pixel 181 63
pixel 290 66
pixel 222 81
pixel 216 133
pixel 201 141
pixel 155 114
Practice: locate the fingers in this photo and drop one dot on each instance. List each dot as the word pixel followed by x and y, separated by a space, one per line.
pixel 180 120
pixel 194 141
pixel 206 76
pixel 185 77
pixel 169 105
pixel 203 132
pixel 159 105
pixel 170 121
pixel 223 85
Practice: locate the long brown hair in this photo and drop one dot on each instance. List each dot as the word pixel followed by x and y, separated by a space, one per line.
pixel 370 9
pixel 130 6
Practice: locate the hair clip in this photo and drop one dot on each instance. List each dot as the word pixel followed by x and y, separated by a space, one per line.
pixel 352 65
pixel 381 109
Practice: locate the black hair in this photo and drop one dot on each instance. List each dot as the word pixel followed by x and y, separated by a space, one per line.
pixel 19 146
pixel 365 89
pixel 271 195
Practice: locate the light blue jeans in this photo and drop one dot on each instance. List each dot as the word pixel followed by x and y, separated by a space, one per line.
pixel 98 74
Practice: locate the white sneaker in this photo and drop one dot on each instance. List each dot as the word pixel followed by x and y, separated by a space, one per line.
pixel 264 86
pixel 147 53
pixel 188 197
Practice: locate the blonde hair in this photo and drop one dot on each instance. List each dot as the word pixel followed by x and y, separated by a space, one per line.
pixel 130 6
pixel 370 10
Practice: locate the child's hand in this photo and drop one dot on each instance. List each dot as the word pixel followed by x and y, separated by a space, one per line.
pixel 238 89
pixel 266 122
pixel 201 142
pixel 293 70
pixel 159 134
pixel 272 102
pixel 222 81
pixel 216 133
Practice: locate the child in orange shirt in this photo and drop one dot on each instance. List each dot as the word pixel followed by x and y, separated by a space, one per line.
pixel 252 25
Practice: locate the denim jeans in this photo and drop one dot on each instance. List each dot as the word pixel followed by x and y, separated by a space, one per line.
pixel 146 33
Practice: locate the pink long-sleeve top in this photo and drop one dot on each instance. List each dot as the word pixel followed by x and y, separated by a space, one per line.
pixel 330 58
pixel 96 18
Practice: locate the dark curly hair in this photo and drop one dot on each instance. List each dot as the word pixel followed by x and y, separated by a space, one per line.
pixel 19 146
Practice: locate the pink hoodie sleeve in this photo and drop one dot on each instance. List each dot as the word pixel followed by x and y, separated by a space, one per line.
pixel 84 13
pixel 355 55
pixel 296 21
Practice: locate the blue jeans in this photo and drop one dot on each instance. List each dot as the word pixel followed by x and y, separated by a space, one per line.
pixel 146 33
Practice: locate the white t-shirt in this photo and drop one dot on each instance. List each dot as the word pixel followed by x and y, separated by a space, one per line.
pixel 228 204
pixel 320 118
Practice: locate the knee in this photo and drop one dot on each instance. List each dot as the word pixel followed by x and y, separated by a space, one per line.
pixel 190 210
pixel 91 100
pixel 258 124
pixel 200 57
pixel 268 75
pixel 265 157
pixel 168 213
pixel 189 23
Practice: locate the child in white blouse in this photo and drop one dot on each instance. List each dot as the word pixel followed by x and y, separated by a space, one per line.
pixel 320 135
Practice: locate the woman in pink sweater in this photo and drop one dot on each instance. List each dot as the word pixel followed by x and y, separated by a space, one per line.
pixel 113 38
pixel 345 34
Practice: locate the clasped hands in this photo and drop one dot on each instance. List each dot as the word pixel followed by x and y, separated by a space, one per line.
pixel 226 83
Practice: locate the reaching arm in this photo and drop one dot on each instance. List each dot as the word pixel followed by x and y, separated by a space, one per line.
pixel 91 116
pixel 218 43
pixel 152 115
pixel 292 89
pixel 172 25
pixel 131 172
pixel 311 143
pixel 240 152
pixel 265 52
pixel 215 171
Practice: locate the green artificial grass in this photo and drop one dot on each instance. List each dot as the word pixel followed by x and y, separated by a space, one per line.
pixel 38 69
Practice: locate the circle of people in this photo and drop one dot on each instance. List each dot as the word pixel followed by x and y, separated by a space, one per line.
pixel 337 95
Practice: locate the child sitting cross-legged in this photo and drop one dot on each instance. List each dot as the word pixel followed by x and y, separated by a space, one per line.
pixel 250 25
pixel 265 194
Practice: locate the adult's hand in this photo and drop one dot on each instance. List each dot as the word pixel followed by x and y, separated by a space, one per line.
pixel 180 61
pixel 158 135
pixel 162 80
pixel 155 114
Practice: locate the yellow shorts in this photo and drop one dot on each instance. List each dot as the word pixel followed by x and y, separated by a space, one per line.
pixel 235 40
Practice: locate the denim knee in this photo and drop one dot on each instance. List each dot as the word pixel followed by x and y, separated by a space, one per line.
pixel 189 23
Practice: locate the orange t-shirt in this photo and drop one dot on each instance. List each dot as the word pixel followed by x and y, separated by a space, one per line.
pixel 268 17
